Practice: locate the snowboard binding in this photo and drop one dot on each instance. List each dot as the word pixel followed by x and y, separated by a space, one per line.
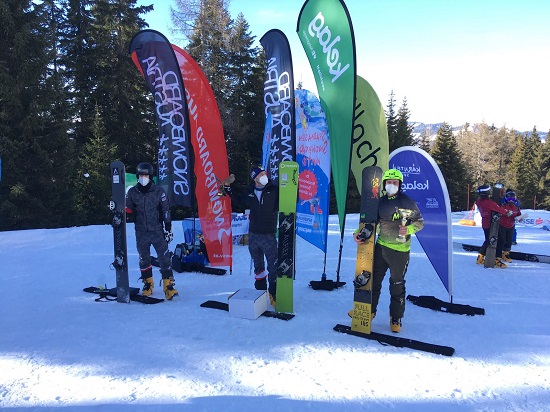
pixel 362 279
pixel 117 219
pixel 366 232
pixel 119 261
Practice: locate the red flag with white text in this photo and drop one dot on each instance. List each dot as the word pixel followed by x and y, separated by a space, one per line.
pixel 211 164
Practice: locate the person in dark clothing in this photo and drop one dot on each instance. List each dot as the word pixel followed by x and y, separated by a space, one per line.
pixel 518 204
pixel 153 224
pixel 485 206
pixel 393 245
pixel 508 223
pixel 262 198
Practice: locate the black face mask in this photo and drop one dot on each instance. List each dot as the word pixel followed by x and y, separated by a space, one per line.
pixel 144 189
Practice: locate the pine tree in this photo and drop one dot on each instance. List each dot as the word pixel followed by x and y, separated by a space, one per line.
pixel 517 165
pixel 533 174
pixel 209 46
pixel 544 185
pixel 119 90
pixel 391 121
pixel 244 127
pixel 503 143
pixel 404 131
pixel 235 68
pixel 526 167
pixel 93 185
pixel 447 156
pixel 34 146
pixel 77 63
pixel 424 141
pixel 475 143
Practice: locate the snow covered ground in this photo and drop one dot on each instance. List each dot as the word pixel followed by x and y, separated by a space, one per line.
pixel 60 349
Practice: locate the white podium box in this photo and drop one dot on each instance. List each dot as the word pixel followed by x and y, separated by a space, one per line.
pixel 247 303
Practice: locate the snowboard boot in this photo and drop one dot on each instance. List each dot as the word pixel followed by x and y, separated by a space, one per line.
pixel 147 279
pixel 168 287
pixel 480 259
pixel 500 264
pixel 395 324
pixel 260 282
pixel 272 291
pixel 272 300
pixel 506 257
pixel 148 286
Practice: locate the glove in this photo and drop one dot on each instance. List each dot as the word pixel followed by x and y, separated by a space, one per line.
pixel 168 236
pixel 227 190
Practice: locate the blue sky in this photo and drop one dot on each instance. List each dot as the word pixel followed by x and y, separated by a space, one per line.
pixel 456 61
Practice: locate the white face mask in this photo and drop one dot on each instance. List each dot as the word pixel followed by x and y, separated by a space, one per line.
pixel 143 180
pixel 391 189
pixel 263 180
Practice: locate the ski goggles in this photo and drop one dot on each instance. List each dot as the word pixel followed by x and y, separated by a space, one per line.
pixel 510 196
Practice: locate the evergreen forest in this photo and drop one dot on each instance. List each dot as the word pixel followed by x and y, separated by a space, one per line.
pixel 72 101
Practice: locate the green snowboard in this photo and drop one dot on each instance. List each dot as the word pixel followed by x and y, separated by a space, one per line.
pixel 288 191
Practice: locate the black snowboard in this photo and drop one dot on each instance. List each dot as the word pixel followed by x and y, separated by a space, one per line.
pixel 515 255
pixel 106 295
pixel 490 254
pixel 118 209
pixel 398 341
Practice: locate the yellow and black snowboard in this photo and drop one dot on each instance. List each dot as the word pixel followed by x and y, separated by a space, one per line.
pixel 362 296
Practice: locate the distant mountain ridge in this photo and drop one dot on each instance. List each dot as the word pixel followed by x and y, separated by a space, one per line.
pixel 419 128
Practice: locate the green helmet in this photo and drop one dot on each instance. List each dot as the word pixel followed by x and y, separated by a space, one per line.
pixel 392 174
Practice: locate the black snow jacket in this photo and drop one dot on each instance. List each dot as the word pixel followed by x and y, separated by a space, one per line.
pixel 263 211
pixel 151 209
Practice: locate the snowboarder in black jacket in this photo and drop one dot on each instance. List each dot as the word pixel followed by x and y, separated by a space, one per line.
pixel 262 198
pixel 149 204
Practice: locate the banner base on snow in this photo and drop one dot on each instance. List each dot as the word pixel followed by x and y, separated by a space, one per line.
pixel 325 284
pixel 432 302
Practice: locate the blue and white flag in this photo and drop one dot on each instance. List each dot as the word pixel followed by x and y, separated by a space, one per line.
pixel 424 183
pixel 313 157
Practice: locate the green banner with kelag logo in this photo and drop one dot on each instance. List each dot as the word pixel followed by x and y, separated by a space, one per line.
pixel 370 132
pixel 326 33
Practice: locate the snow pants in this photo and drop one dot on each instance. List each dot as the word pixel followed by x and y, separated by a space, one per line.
pixel 262 245
pixel 507 237
pixel 397 262
pixel 500 242
pixel 144 240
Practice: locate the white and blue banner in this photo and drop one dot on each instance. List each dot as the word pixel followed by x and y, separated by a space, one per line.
pixel 266 145
pixel 313 157
pixel 424 183
pixel 279 101
pixel 239 224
